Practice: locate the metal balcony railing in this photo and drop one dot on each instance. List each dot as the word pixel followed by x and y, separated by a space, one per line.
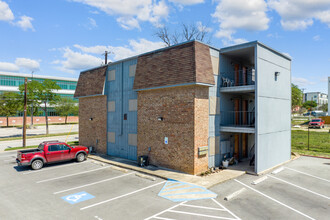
pixel 237 118
pixel 237 78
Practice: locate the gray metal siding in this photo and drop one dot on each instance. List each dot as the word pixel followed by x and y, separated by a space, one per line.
pixel 121 91
pixel 273 107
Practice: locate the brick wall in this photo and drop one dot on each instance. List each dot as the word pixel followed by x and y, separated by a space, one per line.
pixel 182 109
pixel 92 130
pixel 14 121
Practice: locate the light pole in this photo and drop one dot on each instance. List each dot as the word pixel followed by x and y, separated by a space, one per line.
pixel 24 116
pixel 32 104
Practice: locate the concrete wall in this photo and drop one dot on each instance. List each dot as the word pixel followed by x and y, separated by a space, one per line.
pixel 273 109
pixel 93 132
pixel 185 115
pixel 18 121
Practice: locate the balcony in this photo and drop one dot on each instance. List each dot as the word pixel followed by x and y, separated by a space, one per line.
pixel 238 81
pixel 237 121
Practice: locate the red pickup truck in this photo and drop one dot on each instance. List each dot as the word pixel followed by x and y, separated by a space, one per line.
pixel 50 152
pixel 316 123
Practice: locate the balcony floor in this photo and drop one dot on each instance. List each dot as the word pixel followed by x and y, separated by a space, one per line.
pixel 240 89
pixel 237 129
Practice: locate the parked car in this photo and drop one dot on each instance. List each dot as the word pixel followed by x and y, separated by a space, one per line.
pixel 50 152
pixel 316 123
pixel 306 114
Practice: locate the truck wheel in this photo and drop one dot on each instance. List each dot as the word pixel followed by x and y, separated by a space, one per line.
pixel 37 164
pixel 81 157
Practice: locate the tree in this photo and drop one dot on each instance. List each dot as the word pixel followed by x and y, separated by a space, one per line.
pixel 296 96
pixel 67 106
pixel 310 105
pixel 10 104
pixel 43 95
pixel 188 32
pixel 324 107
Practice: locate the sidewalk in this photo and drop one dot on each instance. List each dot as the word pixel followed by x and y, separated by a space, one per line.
pixel 35 141
pixel 206 181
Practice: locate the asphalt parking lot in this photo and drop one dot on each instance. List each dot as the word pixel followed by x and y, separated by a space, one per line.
pixel 92 190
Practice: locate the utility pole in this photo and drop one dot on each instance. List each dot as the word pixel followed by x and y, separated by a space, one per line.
pixel 32 106
pixel 24 116
pixel 106 56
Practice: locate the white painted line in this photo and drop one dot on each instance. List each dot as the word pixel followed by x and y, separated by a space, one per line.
pixel 159 213
pixel 118 197
pixel 307 174
pixel 318 194
pixel 90 184
pixel 55 167
pixel 278 170
pixel 275 200
pixel 259 180
pixel 234 194
pixel 203 215
pixel 163 218
pixel 203 207
pixel 225 209
pixel 61 177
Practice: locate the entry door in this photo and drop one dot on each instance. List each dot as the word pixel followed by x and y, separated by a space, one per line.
pixel 245 111
pixel 244 75
pixel 236 74
pixel 237 101
pixel 65 152
pixel 236 151
pixel 244 145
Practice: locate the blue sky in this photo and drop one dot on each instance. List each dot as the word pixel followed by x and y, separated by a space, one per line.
pixel 63 37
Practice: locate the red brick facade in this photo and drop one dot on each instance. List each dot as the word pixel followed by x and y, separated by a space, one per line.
pixel 182 109
pixel 93 122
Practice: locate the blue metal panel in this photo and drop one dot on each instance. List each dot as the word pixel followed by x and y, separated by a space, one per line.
pixel 121 91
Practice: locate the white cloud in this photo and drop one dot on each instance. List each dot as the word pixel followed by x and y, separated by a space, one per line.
pixel 20 63
pixel 301 81
pixel 29 64
pixel 203 28
pixel 25 23
pixel 5 13
pixel 78 61
pixel 300 14
pixel 187 2
pixel 121 52
pixel 249 15
pixel 316 37
pixel 9 67
pixel 131 12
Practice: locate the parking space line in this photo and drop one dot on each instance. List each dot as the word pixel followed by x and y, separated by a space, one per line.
pixel 163 218
pixel 61 177
pixel 51 168
pixel 307 174
pixel 118 197
pixel 315 193
pixel 226 209
pixel 203 207
pixel 198 214
pixel 166 210
pixel 90 184
pixel 274 200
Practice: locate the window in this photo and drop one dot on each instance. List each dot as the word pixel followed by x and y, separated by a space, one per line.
pixel 53 147
pixel 63 147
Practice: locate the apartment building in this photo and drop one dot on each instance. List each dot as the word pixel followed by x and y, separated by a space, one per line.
pixel 190 106
pixel 319 97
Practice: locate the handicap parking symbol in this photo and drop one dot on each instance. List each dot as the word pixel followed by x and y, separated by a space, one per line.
pixel 78 197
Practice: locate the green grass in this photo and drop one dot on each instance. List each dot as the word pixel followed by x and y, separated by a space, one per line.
pixel 37 136
pixel 319 143
pixel 35 146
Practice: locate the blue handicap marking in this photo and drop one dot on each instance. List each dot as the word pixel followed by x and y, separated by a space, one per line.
pixel 178 191
pixel 78 197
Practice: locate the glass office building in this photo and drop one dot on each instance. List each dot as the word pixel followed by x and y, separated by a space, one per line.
pixel 9 82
